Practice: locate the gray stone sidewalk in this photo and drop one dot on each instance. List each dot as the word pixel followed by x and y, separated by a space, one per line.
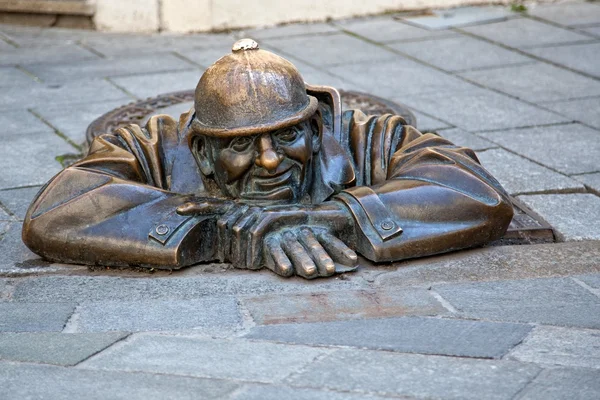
pixel 512 322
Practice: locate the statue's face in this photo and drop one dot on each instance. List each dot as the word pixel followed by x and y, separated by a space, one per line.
pixel 274 166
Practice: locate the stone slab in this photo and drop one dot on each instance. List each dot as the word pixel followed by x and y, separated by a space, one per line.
pixel 524 32
pixel 425 123
pixel 273 392
pixel 537 82
pixel 592 280
pixel 552 346
pixel 209 314
pixel 591 181
pixel 498 263
pixel 204 57
pixel 18 200
pixel 462 138
pixel 55 54
pixel 592 30
pixel 519 175
pixel 332 306
pixel 408 78
pixel 210 358
pixel 570 149
pixel 586 111
pixel 149 85
pixel 22 122
pixel 450 337
pixel 34 317
pixel 569 214
pixel 388 30
pixel 328 50
pixel 479 109
pixel 297 29
pixel 417 376
pixel 103 68
pixel 54 348
pixel 572 384
pixel 94 90
pixel 570 14
pixel 552 301
pixel 580 57
pixel 460 53
pixel 460 16
pixel 14 78
pixel 27 160
pixel 16 257
pixel 127 288
pixel 26 381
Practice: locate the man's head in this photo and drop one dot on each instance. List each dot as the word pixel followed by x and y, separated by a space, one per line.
pixel 256 130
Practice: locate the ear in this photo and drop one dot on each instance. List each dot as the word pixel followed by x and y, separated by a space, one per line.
pixel 201 151
pixel 316 124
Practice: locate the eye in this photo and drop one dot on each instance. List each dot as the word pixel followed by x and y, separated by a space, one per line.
pixel 241 143
pixel 287 136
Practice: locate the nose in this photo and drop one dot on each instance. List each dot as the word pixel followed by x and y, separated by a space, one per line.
pixel 267 156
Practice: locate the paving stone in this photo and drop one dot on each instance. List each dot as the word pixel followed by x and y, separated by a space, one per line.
pixel 22 122
pixel 524 32
pixel 111 288
pixel 273 392
pixel 593 30
pixel 27 160
pixel 417 376
pixel 209 314
pixel 37 37
pixel 48 55
pixel 569 214
pixel 553 301
pixel 205 57
pixel 297 29
pixel 425 123
pixel 18 200
pixel 582 110
pixel 388 29
pixel 572 384
pixel 570 149
pixel 330 50
pixel 495 263
pixel 210 358
pixel 591 181
pixel 519 175
pixel 462 138
pixel 26 381
pixel 78 92
pixel 102 68
pixel 552 346
pixel 449 337
pixel 460 16
pixel 331 306
pixel 570 14
pixel 580 57
pixel 149 85
pixel 459 53
pixel 537 82
pixel 592 280
pixel 34 317
pixel 479 109
pixel 12 77
pixel 54 348
pixel 401 78
pixel 73 121
pixel 14 253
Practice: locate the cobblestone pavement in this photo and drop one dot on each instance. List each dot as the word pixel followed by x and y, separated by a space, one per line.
pixel 495 323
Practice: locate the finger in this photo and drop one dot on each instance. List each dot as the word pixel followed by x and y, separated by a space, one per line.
pixel 223 225
pixel 256 237
pixel 325 264
pixel 276 260
pixel 337 249
pixel 303 264
pixel 239 236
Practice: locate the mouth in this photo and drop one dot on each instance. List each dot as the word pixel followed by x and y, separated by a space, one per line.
pixel 272 187
pixel 266 184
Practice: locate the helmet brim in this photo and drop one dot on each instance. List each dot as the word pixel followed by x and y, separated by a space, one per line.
pixel 300 116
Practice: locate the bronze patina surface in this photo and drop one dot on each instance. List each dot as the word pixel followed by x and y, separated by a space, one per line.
pixel 266 171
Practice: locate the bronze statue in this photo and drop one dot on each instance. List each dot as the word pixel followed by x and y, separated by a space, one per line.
pixel 266 170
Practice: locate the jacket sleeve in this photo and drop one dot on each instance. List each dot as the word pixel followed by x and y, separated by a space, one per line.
pixel 113 206
pixel 418 194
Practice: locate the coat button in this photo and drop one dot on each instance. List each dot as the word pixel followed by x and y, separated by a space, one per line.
pixel 162 229
pixel 387 225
